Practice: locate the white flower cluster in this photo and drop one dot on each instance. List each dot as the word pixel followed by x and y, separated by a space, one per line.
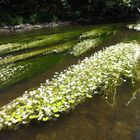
pixel 134 27
pixel 103 70
pixel 10 72
pixel 84 46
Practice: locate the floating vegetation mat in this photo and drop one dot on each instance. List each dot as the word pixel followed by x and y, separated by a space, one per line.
pixel 135 27
pixel 105 70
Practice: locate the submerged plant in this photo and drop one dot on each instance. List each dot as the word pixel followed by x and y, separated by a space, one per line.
pixel 105 70
pixel 98 31
pixel 10 72
pixel 46 40
pixel 84 46
pixel 92 39
pixel 55 49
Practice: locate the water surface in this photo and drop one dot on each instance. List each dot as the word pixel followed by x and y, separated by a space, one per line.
pixel 93 119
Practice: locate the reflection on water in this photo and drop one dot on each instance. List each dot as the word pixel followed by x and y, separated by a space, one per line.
pixel 92 120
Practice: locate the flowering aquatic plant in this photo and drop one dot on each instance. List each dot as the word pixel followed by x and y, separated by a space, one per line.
pixel 85 45
pixel 134 27
pixel 10 72
pixel 92 39
pixel 105 69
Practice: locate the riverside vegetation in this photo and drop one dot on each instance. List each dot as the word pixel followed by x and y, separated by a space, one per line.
pixel 104 71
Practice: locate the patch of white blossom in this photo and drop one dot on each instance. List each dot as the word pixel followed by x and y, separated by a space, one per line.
pixel 85 45
pixel 11 71
pixel 134 27
pixel 69 88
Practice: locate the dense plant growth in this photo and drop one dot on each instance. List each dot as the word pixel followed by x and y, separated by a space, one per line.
pixel 8 72
pixel 92 39
pixel 85 45
pixel 105 70
pixel 87 40
pixel 43 41
pixel 55 49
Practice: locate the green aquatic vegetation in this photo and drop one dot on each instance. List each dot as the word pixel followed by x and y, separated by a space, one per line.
pixel 23 70
pixel 92 39
pixel 134 27
pixel 103 71
pixel 55 49
pixel 47 40
pixel 99 31
pixel 85 45
pixel 8 72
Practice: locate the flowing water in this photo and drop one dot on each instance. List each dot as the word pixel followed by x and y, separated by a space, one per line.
pixel 93 119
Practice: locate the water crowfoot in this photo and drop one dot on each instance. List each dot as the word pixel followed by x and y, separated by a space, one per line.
pixel 10 72
pixel 104 70
pixel 135 27
pixel 92 39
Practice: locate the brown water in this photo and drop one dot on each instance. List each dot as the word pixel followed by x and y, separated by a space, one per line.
pixel 92 120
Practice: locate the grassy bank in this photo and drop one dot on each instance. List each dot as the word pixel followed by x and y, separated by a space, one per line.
pixel 105 71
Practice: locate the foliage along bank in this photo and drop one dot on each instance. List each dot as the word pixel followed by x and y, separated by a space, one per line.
pixel 30 11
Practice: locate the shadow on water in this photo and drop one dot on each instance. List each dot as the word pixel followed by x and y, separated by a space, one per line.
pixel 92 120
